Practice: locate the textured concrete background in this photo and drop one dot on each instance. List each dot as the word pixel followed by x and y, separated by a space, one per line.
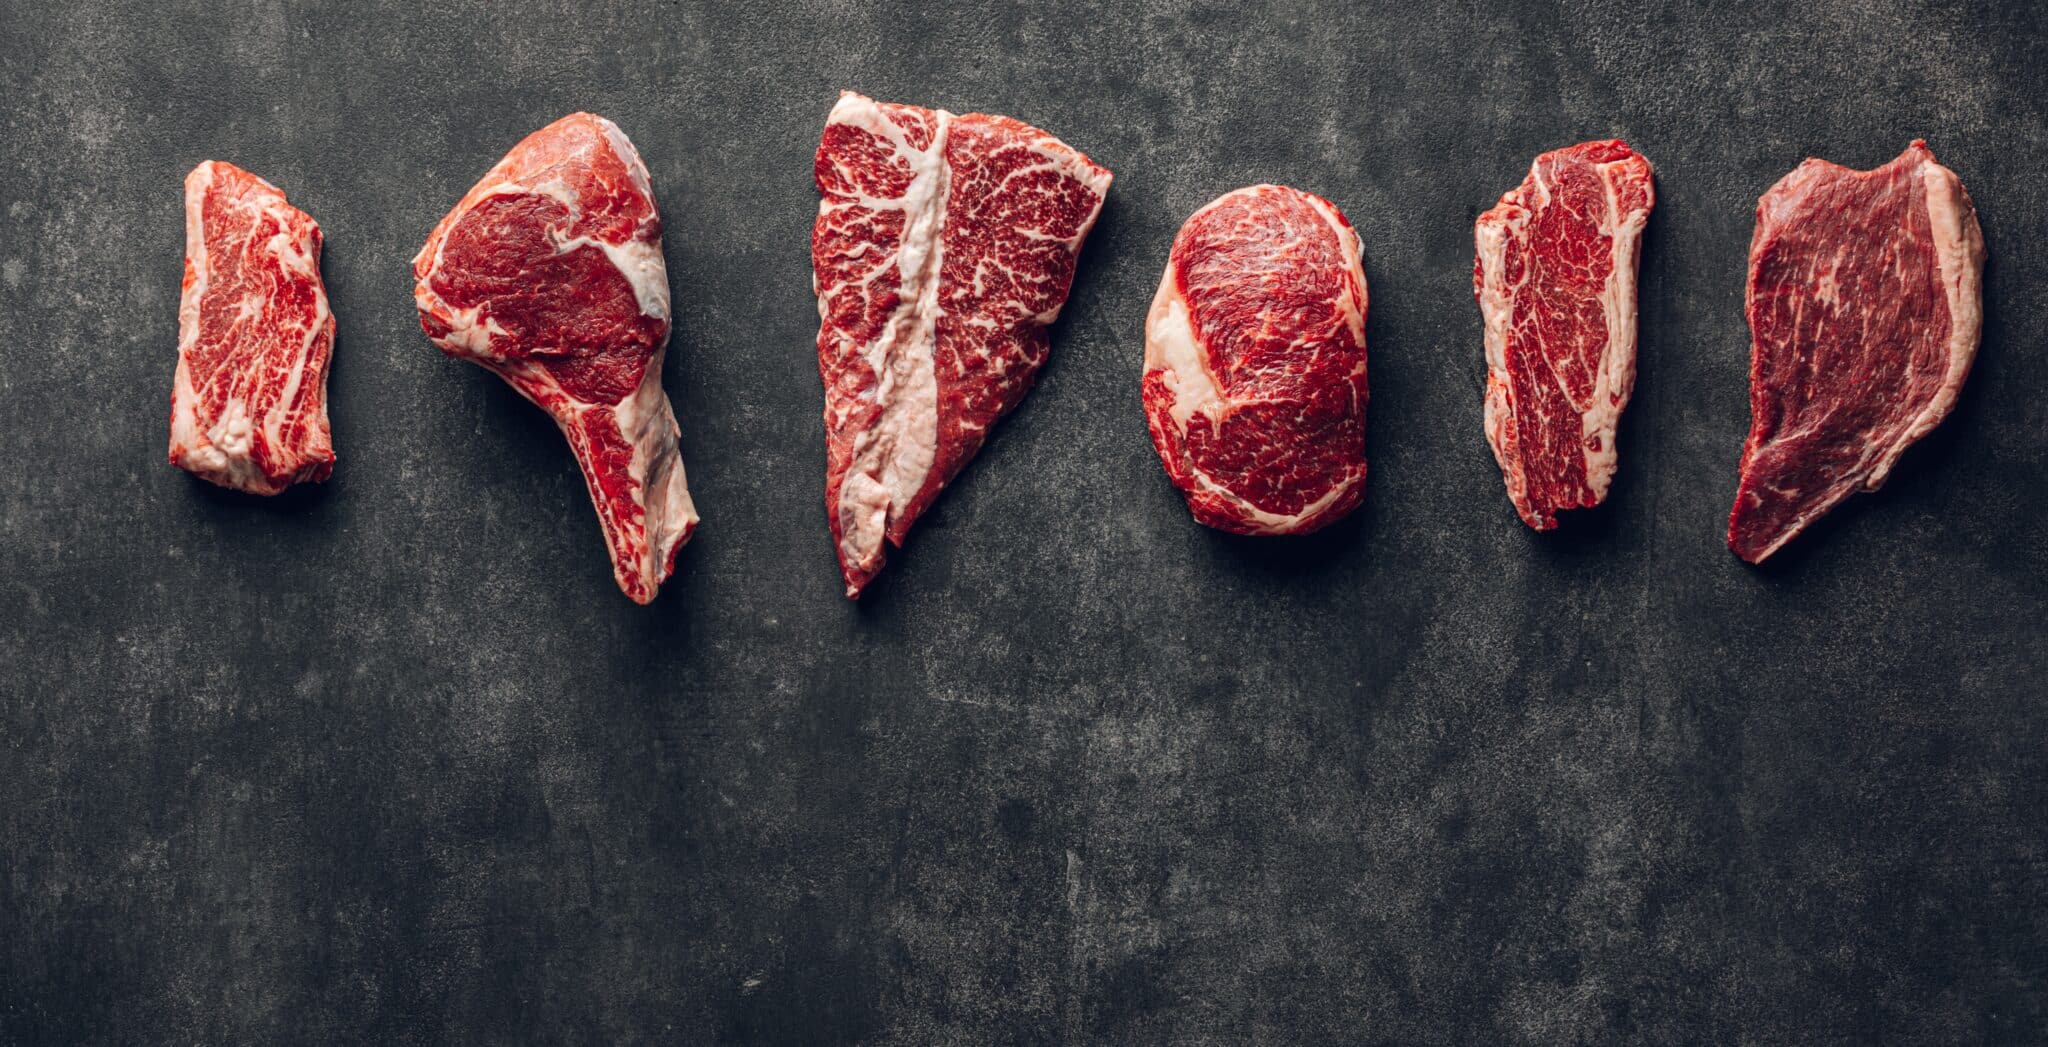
pixel 391 760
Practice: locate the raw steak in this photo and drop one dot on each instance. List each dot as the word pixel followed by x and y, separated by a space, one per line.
pixel 944 247
pixel 1254 381
pixel 1556 282
pixel 549 273
pixel 249 403
pixel 1865 306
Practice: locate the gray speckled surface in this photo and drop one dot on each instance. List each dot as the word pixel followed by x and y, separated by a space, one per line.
pixel 392 761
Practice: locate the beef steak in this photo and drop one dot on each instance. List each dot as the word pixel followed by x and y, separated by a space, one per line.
pixel 549 273
pixel 1556 281
pixel 943 249
pixel 1865 307
pixel 249 401
pixel 1255 385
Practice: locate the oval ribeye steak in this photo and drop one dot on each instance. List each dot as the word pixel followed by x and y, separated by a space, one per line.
pixel 549 273
pixel 1865 308
pixel 1255 385
pixel 943 249
pixel 1556 281
pixel 249 402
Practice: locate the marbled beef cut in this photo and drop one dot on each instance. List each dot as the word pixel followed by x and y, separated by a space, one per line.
pixel 1254 383
pixel 249 401
pixel 944 248
pixel 1866 303
pixel 1556 281
pixel 549 273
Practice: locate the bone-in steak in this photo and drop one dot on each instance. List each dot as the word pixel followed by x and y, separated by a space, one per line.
pixel 249 402
pixel 549 273
pixel 1865 308
pixel 1556 281
pixel 1255 384
pixel 944 247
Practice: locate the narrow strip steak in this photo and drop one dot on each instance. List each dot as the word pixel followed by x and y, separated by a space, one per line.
pixel 1255 385
pixel 249 402
pixel 944 248
pixel 549 273
pixel 1556 283
pixel 1866 304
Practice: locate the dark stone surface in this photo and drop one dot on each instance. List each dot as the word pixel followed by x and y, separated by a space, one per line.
pixel 392 761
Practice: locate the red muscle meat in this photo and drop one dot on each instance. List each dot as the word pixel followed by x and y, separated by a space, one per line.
pixel 1556 281
pixel 944 248
pixel 549 273
pixel 249 402
pixel 1255 383
pixel 1865 308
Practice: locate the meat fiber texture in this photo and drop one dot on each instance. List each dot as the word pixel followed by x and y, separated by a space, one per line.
pixel 1556 281
pixel 549 273
pixel 1255 381
pixel 1866 304
pixel 944 247
pixel 249 401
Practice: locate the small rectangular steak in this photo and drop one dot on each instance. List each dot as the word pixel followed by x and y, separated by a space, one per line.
pixel 944 248
pixel 549 273
pixel 1556 283
pixel 249 402
pixel 1865 307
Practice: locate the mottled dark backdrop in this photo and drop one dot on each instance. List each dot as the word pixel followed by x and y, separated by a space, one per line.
pixel 391 760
